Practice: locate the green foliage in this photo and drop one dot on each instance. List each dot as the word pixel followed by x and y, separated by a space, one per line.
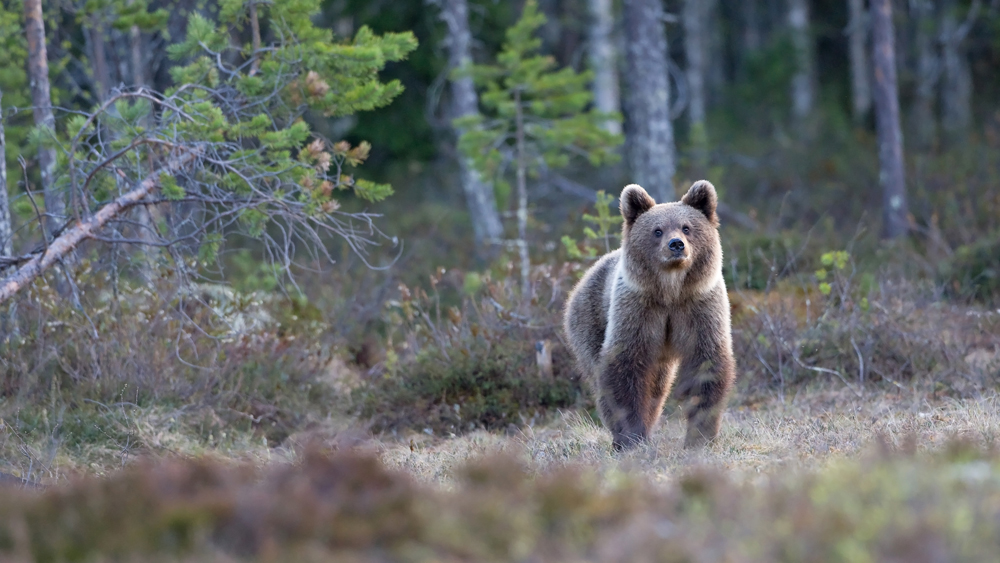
pixel 757 261
pixel 123 14
pixel 973 271
pixel 606 223
pixel 833 262
pixel 480 386
pixel 14 84
pixel 266 160
pixel 553 104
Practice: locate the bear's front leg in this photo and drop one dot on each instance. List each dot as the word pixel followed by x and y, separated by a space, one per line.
pixel 632 384
pixel 706 376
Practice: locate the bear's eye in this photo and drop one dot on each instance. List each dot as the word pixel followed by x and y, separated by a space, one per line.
pixel 686 230
pixel 658 233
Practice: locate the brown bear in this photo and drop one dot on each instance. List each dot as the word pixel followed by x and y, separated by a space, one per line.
pixel 654 309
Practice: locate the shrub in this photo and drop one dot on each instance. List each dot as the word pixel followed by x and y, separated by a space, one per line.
pixel 472 365
pixel 973 272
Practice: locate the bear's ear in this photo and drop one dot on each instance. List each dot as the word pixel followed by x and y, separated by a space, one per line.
pixel 702 197
pixel 634 202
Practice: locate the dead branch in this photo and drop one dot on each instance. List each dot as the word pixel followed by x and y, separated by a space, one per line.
pixel 72 237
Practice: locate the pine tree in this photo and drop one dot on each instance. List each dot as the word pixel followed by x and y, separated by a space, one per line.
pixel 227 147
pixel 534 115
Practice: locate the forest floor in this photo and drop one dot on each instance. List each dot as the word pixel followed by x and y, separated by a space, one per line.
pixel 804 433
pixel 809 467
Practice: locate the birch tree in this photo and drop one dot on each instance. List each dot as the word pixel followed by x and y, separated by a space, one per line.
pixel 6 232
pixel 956 86
pixel 45 121
pixel 479 195
pixel 604 61
pixel 536 117
pixel 694 16
pixel 928 73
pixel 857 40
pixel 804 79
pixel 895 212
pixel 649 132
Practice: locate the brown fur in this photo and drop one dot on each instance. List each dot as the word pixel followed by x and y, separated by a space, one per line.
pixel 646 314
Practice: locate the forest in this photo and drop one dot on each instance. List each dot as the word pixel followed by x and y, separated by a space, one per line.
pixel 286 279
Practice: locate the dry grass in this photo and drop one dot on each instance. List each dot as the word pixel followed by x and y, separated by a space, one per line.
pixel 807 433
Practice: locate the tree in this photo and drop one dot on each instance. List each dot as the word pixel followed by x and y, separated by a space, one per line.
pixel 694 16
pixel 224 151
pixel 890 140
pixel 648 129
pixel 804 80
pixel 99 19
pixel 479 196
pixel 535 116
pixel 857 39
pixel 6 232
pixel 604 62
pixel 956 86
pixel 928 73
pixel 45 121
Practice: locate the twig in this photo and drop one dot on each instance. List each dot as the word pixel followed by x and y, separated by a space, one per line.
pixel 31 198
pixel 825 370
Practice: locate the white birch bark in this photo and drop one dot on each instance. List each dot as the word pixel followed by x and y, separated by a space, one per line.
pixel 804 80
pixel 6 232
pixel 479 196
pixel 895 212
pixel 928 73
pixel 857 39
pixel 604 62
pixel 41 99
pixel 694 16
pixel 956 83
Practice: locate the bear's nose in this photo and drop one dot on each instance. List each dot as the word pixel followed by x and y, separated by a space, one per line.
pixel 676 245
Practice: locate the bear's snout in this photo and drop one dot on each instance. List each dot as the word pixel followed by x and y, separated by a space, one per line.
pixel 676 245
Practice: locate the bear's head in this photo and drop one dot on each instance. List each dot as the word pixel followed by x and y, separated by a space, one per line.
pixel 676 241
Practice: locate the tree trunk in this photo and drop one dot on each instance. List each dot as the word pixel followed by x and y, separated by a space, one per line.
pixel 8 318
pixel 928 72
pixel 694 50
pixel 522 200
pixel 255 34
pixel 715 53
pixel 890 139
pixel 956 88
pixel 41 99
pixel 804 80
pixel 6 232
pixel 857 38
pixel 603 61
pixel 63 246
pixel 479 195
pixel 102 74
pixel 751 26
pixel 649 134
pixel 138 66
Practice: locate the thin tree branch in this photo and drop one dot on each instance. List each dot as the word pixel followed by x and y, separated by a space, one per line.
pixel 69 240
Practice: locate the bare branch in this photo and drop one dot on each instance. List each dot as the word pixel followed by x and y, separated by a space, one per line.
pixel 71 238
